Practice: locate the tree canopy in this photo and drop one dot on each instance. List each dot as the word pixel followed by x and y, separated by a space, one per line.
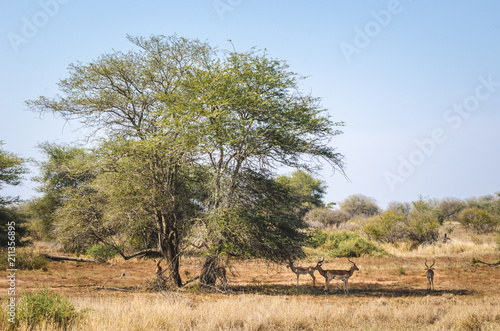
pixel 12 169
pixel 309 189
pixel 359 204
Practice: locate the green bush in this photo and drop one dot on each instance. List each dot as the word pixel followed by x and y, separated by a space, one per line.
pixel 326 217
pixel 477 219
pixel 24 261
pixel 317 238
pixel 101 253
pixel 422 226
pixel 392 226
pixel 343 244
pixel 386 227
pixel 37 307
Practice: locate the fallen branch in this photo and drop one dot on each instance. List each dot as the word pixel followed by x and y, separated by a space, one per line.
pixel 479 261
pixel 66 258
pixel 114 289
pixel 141 254
pixel 191 280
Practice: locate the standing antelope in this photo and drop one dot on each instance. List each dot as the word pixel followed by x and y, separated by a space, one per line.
pixel 342 275
pixel 430 275
pixel 303 271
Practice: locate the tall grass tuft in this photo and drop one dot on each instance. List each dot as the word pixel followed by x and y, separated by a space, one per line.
pixel 44 307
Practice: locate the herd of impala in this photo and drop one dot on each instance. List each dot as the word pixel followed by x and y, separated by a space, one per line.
pixel 344 275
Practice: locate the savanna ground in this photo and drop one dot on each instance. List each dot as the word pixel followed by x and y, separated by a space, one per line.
pixel 387 293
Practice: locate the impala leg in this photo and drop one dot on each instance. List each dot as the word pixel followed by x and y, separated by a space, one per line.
pixel 314 280
pixel 298 279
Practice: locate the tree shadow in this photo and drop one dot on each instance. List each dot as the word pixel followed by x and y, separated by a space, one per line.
pixel 354 291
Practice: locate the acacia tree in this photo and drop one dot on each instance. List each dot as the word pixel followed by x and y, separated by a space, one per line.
pixel 253 117
pixel 190 134
pixel 55 177
pixel 359 204
pixel 12 169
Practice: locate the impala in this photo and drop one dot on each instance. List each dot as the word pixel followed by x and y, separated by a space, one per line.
pixel 342 275
pixel 430 275
pixel 303 271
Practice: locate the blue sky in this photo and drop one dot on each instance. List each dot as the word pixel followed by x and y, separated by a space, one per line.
pixel 417 83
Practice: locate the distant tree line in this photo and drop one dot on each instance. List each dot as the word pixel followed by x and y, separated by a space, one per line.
pixel 416 222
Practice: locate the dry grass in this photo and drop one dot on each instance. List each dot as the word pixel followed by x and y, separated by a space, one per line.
pixel 258 312
pixel 463 243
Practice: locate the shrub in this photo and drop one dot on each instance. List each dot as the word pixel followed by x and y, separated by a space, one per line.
pixel 359 204
pixel 101 253
pixel 326 217
pixel 43 306
pixel 470 323
pixel 404 207
pixel 317 238
pixel 477 219
pixel 12 220
pixel 386 227
pixel 344 244
pixel 450 208
pixel 420 226
pixel 24 261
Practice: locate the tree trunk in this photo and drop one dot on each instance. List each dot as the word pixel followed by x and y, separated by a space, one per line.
pixel 171 254
pixel 169 244
pixel 208 274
